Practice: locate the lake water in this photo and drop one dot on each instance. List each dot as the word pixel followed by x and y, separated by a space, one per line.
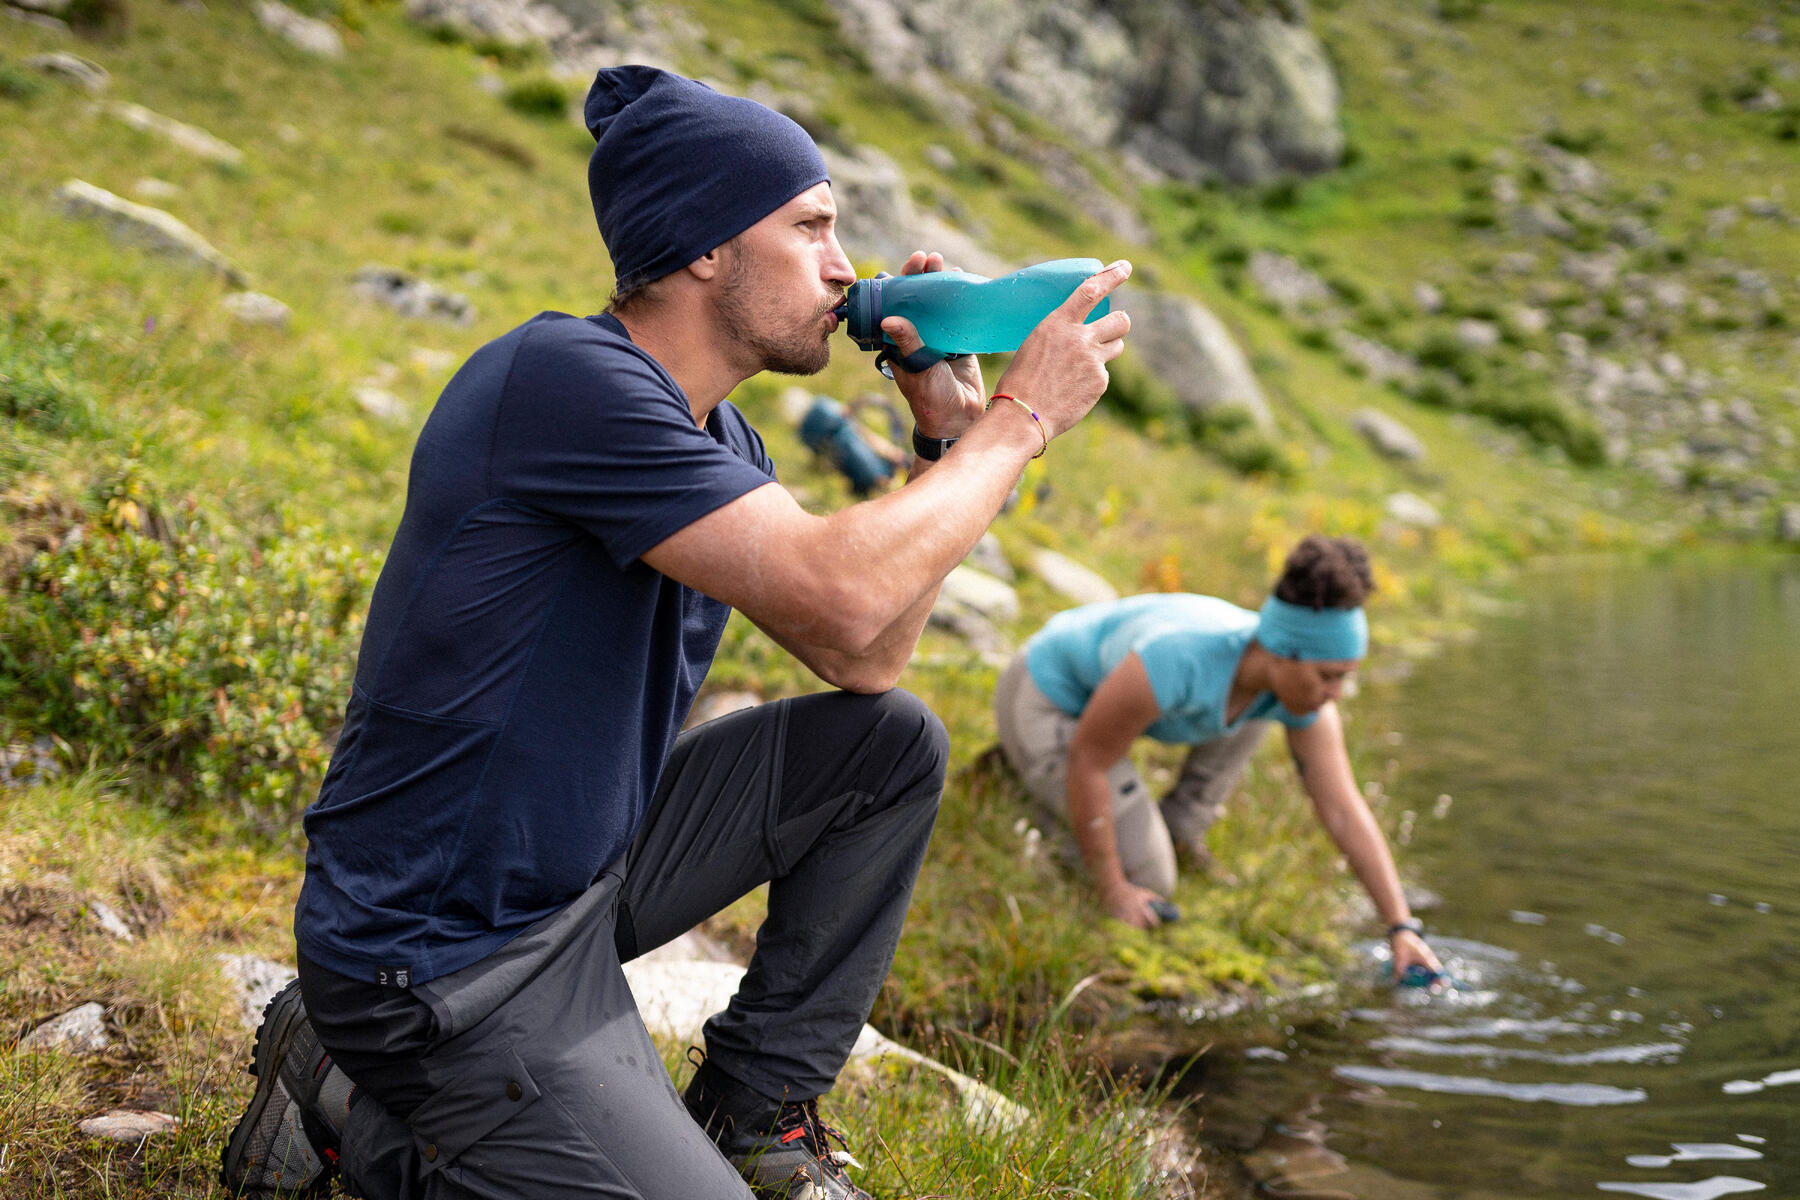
pixel 1607 789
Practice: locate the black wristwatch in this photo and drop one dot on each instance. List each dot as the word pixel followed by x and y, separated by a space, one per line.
pixel 1411 925
pixel 929 448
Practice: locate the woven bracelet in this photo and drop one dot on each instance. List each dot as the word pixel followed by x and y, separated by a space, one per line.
pixel 1037 420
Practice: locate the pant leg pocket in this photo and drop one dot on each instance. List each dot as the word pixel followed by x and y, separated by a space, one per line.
pixel 479 1097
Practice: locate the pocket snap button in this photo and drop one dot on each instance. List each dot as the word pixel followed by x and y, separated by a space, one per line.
pixel 513 1090
pixel 431 1152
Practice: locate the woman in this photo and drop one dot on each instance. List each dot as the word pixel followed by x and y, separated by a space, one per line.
pixel 1199 671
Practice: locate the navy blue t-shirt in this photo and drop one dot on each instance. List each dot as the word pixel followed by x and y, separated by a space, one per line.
pixel 522 674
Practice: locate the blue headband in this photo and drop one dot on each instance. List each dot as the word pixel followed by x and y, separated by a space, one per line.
pixel 679 169
pixel 1296 631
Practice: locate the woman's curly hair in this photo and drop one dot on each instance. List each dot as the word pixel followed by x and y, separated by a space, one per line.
pixel 1324 572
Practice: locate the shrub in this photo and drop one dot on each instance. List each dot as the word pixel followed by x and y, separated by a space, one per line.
pixel 537 96
pixel 17 84
pixel 198 654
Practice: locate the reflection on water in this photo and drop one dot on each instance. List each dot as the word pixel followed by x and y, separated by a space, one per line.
pixel 1616 838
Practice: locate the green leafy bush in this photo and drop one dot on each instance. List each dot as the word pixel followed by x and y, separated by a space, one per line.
pixel 537 96
pixel 199 656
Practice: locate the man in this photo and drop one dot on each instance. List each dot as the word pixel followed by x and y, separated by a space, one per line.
pixel 509 814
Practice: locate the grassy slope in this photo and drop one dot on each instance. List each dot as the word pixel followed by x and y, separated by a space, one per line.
pixel 369 161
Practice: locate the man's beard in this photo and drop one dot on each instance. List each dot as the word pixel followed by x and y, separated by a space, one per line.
pixel 801 351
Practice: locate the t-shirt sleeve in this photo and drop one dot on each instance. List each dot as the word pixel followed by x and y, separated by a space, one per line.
pixel 594 433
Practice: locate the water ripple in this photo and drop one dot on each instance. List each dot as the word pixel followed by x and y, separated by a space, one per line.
pixel 1651 1052
pixel 1579 1095
pixel 1705 1189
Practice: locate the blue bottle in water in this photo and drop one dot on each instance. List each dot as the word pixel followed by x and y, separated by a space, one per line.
pixel 958 312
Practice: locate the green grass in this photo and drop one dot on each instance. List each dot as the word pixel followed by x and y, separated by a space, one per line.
pixel 136 408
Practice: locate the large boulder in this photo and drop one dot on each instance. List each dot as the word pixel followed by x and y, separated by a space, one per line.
pixel 879 225
pixel 1193 353
pixel 1195 88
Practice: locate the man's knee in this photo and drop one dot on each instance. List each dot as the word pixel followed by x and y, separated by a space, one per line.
pixel 912 737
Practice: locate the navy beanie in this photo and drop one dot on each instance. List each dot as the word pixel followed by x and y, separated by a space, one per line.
pixel 679 169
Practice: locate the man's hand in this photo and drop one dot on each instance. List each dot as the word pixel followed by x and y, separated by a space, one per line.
pixel 946 397
pixel 1126 901
pixel 1060 370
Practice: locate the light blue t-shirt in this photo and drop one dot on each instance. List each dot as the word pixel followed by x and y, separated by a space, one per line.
pixel 1190 646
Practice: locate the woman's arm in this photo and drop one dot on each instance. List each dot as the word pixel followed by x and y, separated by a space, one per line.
pixel 1324 767
pixel 1118 712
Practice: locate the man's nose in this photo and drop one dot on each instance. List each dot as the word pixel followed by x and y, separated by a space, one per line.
pixel 837 265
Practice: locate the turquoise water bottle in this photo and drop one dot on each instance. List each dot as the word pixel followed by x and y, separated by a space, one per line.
pixel 958 312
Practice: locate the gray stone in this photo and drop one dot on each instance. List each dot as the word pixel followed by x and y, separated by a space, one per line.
pixel 1381 363
pixel 83 72
pixel 1787 524
pixel 109 920
pixel 1389 437
pixel 412 297
pixel 129 1125
pixel 1287 284
pixel 879 225
pixel 256 981
pixel 1477 335
pixel 1069 578
pixel 191 138
pixel 988 557
pixel 78 1031
pixel 1190 90
pixel 1413 511
pixel 1527 321
pixel 1192 352
pixel 981 593
pixel 1542 220
pixel 306 33
pixel 381 404
pixel 509 22
pixel 151 229
pixel 254 308
pixel 155 189
pixel 1428 297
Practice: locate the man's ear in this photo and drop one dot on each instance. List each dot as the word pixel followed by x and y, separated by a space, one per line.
pixel 708 265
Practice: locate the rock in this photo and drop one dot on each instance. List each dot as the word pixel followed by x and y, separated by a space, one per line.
pixel 108 918
pixel 254 308
pixel 257 980
pixel 1381 363
pixel 1288 285
pixel 149 228
pixel 989 558
pixel 1527 321
pixel 509 22
pixel 1787 525
pixel 714 705
pixel 1428 297
pixel 412 297
pixel 1071 579
pixel 1191 351
pixel 980 593
pixel 1388 435
pixel 155 189
pixel 78 1031
pixel 307 33
pixel 24 764
pixel 191 138
pixel 1188 90
pixel 381 404
pixel 83 72
pixel 1413 511
pixel 1477 335
pixel 879 225
pixel 129 1125
pixel 1542 220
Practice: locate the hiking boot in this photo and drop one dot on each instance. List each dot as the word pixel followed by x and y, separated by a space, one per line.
pixel 286 1143
pixel 783 1150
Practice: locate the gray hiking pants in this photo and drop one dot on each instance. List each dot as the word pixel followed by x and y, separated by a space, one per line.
pixel 529 1075
pixel 1035 736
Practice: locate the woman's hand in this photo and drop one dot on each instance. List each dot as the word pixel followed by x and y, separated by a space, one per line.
pixel 946 397
pixel 1410 950
pixel 1126 901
